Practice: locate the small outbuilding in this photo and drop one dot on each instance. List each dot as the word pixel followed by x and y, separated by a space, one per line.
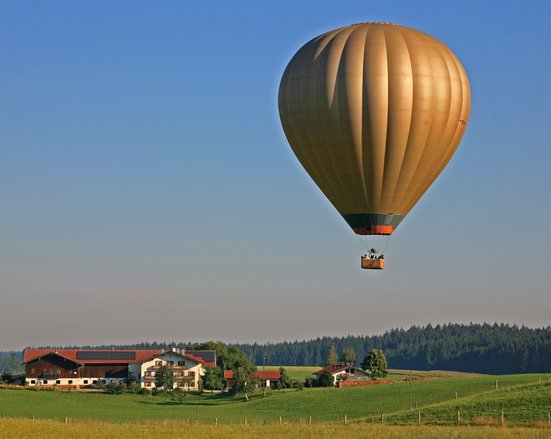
pixel 343 372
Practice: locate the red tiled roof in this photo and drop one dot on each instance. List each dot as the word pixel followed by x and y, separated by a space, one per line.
pixel 71 354
pixel 268 375
pixel 140 356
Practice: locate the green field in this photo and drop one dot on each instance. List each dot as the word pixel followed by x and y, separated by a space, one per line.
pixel 523 398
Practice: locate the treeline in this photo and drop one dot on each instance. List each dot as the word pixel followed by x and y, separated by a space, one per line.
pixel 10 363
pixel 482 348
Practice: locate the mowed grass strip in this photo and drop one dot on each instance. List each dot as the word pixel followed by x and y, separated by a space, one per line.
pixel 528 403
pixel 322 404
pixel 48 429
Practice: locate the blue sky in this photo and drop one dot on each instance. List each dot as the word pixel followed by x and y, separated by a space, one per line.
pixel 148 191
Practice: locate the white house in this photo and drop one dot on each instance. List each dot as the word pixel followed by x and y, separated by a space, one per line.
pixel 342 372
pixel 187 370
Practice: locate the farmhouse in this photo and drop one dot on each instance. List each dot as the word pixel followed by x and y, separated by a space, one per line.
pixel 343 372
pixel 267 379
pixel 75 368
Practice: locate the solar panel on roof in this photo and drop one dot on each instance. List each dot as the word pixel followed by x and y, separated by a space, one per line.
pixel 105 355
pixel 208 356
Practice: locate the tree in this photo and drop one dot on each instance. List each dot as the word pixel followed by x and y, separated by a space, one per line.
pixel 212 380
pixel 375 364
pixel 245 381
pixel 331 356
pixel 164 378
pixel 326 380
pixel 284 381
pixel 7 378
pixel 309 382
pixel 349 356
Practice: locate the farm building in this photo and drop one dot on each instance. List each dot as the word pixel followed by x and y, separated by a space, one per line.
pixel 269 379
pixel 343 372
pixel 75 368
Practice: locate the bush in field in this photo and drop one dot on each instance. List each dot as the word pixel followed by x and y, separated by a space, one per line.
pixel 309 382
pixel 179 395
pixel 7 378
pixel 326 380
pixel 114 388
pixel 134 387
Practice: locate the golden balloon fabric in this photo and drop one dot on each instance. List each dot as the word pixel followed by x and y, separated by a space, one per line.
pixel 374 112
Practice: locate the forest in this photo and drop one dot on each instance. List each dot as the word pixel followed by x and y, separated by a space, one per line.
pixel 483 348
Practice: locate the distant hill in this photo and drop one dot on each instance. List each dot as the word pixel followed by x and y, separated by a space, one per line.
pixel 482 348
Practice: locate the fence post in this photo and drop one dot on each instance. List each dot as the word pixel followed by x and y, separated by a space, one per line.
pixel 345 420
pixel 215 422
pixel 419 418
pixel 458 417
pixel 456 394
pixel 497 384
pixel 502 418
pixel 245 421
pixel 280 420
pixel 549 419
pixel 382 418
pixel 309 420
pixel 66 420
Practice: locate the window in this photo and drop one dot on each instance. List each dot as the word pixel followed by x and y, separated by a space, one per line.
pixel 95 382
pixel 70 382
pixel 85 381
pixel 181 363
pixel 44 381
pixel 33 381
pixel 170 363
pixel 58 381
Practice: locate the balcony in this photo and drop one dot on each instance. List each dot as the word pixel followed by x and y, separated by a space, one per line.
pixel 51 374
pixel 173 367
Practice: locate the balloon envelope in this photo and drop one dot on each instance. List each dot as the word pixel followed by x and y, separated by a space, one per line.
pixel 374 112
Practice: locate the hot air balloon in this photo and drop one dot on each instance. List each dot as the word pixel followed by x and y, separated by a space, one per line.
pixel 374 112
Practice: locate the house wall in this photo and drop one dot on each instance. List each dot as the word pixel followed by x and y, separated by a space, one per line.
pixel 187 372
pixel 343 374
pixel 53 370
pixel 51 365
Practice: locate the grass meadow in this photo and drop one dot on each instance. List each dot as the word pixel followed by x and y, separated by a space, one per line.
pixel 523 397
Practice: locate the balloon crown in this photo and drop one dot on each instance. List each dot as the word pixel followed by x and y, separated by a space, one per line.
pixel 374 22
